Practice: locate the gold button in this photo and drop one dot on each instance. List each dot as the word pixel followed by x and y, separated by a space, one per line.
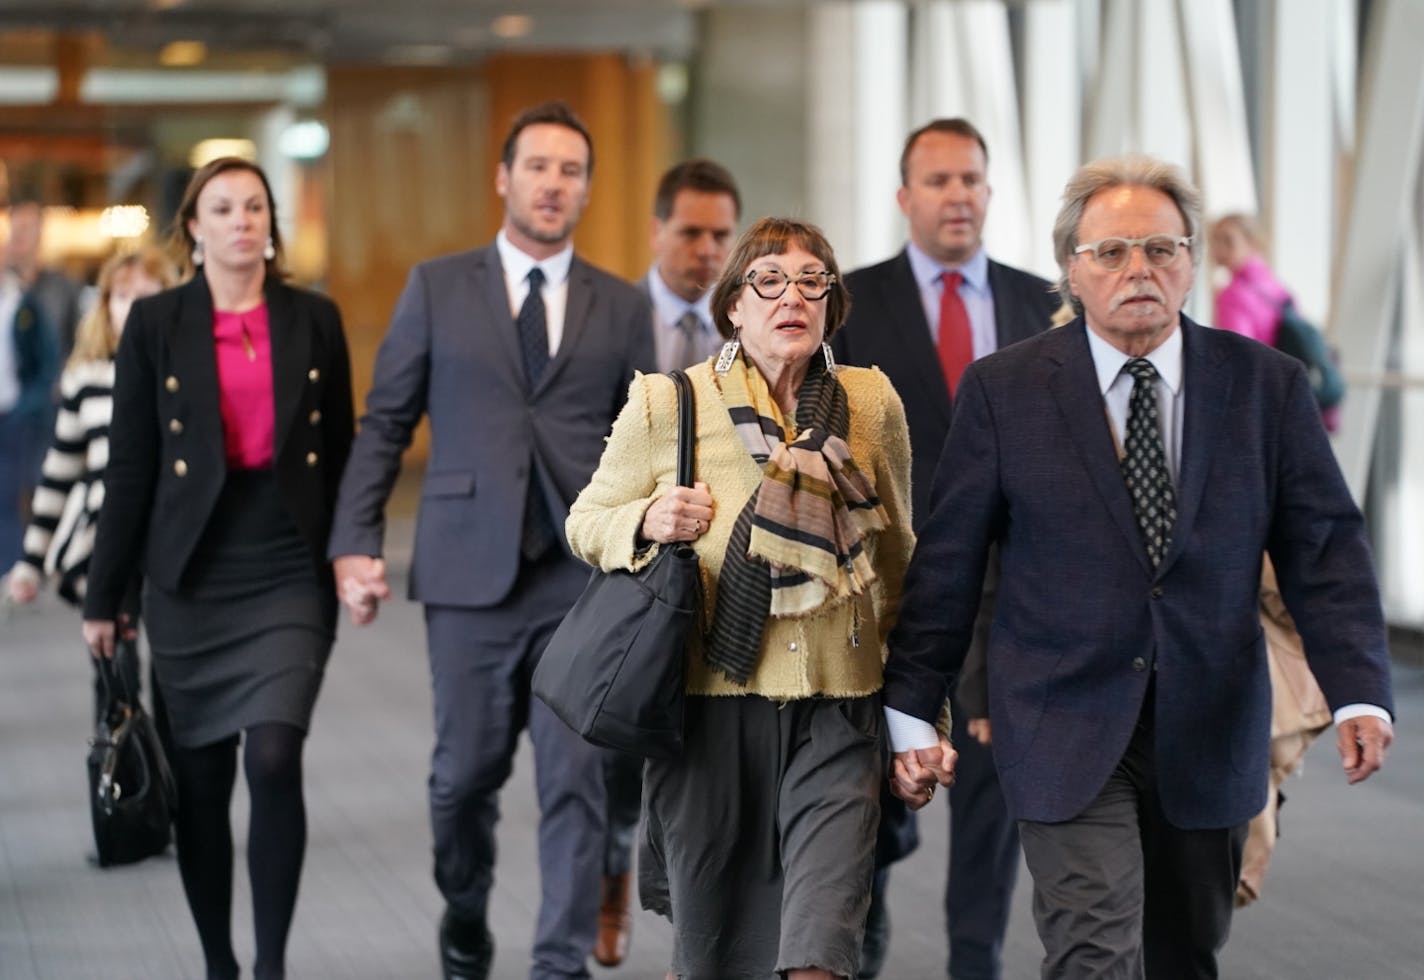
pixel 315 417
pixel 180 467
pixel 313 375
pixel 311 459
pixel 174 426
pixel 171 384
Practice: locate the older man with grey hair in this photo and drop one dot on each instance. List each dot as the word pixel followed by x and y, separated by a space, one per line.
pixel 1133 467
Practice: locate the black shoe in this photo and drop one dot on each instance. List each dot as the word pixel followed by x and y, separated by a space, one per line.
pixel 877 928
pixel 466 948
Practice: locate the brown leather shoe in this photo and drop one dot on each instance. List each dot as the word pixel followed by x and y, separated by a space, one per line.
pixel 615 921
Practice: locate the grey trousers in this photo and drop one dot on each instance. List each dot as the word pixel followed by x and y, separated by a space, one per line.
pixel 765 830
pixel 1122 894
pixel 481 661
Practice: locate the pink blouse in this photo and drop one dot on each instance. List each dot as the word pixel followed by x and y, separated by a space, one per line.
pixel 245 397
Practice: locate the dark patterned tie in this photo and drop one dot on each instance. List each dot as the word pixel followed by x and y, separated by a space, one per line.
pixel 538 533
pixel 534 329
pixel 1144 463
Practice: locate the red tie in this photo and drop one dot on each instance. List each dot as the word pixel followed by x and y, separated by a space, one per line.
pixel 956 340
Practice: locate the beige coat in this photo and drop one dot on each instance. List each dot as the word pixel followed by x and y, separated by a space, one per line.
pixel 804 657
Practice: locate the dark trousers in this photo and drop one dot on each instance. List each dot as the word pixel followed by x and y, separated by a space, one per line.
pixel 1121 893
pixel 481 661
pixel 983 860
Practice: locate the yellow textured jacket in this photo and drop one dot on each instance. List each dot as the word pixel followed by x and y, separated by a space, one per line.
pixel 803 657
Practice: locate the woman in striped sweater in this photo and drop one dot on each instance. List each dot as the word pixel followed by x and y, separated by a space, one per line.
pixel 60 535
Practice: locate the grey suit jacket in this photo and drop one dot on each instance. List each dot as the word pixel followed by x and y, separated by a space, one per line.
pixel 452 353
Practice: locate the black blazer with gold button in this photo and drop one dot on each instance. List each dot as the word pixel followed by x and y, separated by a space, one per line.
pixel 166 460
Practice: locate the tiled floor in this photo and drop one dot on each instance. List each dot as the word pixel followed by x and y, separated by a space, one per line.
pixel 1342 901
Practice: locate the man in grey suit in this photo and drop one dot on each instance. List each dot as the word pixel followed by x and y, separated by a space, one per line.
pixel 521 354
pixel 1132 467
pixel 904 318
pixel 695 213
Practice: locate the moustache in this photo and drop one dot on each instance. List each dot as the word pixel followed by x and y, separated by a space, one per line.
pixel 1143 292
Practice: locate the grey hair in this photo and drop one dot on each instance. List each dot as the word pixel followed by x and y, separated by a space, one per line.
pixel 1101 175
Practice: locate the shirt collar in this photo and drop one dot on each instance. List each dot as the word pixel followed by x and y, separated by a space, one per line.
pixel 1108 361
pixel 927 271
pixel 670 307
pixel 517 263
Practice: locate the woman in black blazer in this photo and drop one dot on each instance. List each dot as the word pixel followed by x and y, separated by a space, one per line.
pixel 232 421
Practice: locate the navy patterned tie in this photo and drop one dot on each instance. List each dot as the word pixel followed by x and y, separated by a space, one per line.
pixel 1144 463
pixel 534 329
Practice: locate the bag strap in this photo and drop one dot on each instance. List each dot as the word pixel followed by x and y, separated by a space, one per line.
pixel 686 428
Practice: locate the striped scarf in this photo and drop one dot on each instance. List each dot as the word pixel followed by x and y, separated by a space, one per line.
pixel 798 544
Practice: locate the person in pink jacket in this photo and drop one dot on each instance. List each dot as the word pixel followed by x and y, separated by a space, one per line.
pixel 1250 304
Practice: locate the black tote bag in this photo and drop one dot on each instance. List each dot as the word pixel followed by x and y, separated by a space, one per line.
pixel 615 669
pixel 132 795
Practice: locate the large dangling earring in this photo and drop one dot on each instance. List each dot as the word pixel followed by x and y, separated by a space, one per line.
pixel 830 358
pixel 197 252
pixel 729 352
pixel 270 252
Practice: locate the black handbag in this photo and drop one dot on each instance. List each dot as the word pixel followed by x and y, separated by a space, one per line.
pixel 132 794
pixel 615 669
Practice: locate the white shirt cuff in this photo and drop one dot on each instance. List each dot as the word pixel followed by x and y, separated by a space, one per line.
pixel 1358 710
pixel 908 732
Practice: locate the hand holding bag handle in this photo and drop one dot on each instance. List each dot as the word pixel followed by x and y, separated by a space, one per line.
pixel 615 669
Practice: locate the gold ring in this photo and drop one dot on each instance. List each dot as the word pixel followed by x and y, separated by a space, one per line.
pixel 929 792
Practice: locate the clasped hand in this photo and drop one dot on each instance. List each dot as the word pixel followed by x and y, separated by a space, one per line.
pixel 682 514
pixel 361 586
pixel 916 772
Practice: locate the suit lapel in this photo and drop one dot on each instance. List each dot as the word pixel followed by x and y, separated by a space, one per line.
pixel 489 304
pixel 1206 386
pixel 291 355
pixel 1075 389
pixel 916 347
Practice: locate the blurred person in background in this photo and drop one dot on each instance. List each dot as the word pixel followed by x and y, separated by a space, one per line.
pixel 65 512
pixel 232 419
pixel 29 363
pixel 57 294
pixel 1251 301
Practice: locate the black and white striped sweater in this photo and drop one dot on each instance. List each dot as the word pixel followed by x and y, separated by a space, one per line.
pixel 60 536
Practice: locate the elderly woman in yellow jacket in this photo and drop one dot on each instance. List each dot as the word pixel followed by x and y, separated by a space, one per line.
pixel 764 829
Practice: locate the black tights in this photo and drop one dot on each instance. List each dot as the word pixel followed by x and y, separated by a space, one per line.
pixel 276 842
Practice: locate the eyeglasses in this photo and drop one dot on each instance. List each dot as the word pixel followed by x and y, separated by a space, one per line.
pixel 772 283
pixel 1114 253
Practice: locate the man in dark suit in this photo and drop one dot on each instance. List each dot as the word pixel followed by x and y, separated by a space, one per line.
pixel 695 212
pixel 1133 467
pixel 521 354
pixel 905 319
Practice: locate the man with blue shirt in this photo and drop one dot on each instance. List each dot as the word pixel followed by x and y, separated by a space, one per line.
pixel 695 213
pixel 922 317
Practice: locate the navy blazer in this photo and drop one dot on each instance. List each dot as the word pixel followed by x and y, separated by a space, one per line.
pixel 887 328
pixel 167 463
pixel 1082 620
pixel 452 353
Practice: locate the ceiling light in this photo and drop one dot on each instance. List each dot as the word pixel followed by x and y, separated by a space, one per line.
pixel 510 26
pixel 124 220
pixel 207 151
pixel 182 54
pixel 305 140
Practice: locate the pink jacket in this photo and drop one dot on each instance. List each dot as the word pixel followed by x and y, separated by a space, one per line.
pixel 1250 304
